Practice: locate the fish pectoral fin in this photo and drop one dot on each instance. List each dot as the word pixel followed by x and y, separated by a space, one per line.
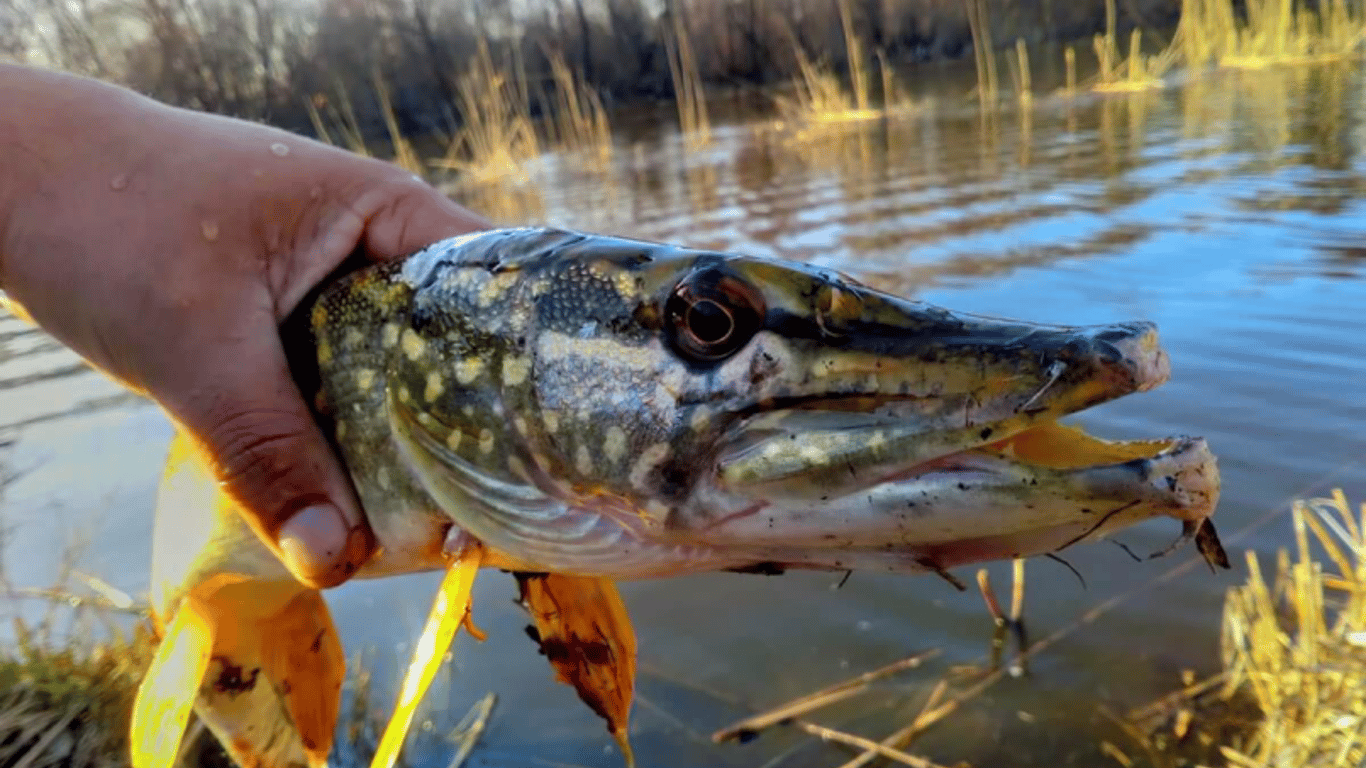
pixel 586 634
pixel 304 661
pixel 168 691
pixel 449 612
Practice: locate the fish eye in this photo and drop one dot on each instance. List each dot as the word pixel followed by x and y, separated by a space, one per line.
pixel 711 316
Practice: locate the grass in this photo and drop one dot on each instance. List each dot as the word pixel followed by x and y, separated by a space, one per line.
pixel 578 121
pixel 693 119
pixel 820 97
pixel 1137 72
pixel 1293 687
pixel 498 137
pixel 1212 32
pixel 1020 74
pixel 984 51
pixel 65 701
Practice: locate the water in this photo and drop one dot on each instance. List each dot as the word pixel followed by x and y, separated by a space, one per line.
pixel 1229 210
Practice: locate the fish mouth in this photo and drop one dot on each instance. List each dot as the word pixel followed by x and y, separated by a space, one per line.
pixel 868 480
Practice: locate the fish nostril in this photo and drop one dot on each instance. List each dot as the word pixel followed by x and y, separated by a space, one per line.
pixel 1075 350
pixel 1106 352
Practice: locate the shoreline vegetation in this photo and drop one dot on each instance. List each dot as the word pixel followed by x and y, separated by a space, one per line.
pixel 493 90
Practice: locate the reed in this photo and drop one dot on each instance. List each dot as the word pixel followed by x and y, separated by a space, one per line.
pixel 65 700
pixel 853 51
pixel 1292 690
pixel 578 120
pixel 1020 74
pixel 693 117
pixel 1070 63
pixel 1214 33
pixel 984 51
pixel 404 154
pixel 817 95
pixel 1136 72
pixel 497 138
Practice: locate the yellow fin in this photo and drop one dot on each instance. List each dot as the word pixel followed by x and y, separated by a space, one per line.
pixel 449 612
pixel 168 691
pixel 586 634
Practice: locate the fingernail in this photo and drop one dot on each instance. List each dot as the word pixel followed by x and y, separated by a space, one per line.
pixel 313 540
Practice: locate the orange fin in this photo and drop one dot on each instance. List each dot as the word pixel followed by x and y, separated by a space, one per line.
pixel 167 693
pixel 449 612
pixel 305 663
pixel 586 634
pixel 273 687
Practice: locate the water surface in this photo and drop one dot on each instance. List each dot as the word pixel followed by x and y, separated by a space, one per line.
pixel 1228 209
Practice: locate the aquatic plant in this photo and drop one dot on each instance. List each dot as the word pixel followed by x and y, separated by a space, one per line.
pixel 1212 32
pixel 819 97
pixel 1020 74
pixel 1137 72
pixel 497 138
pixel 577 119
pixel 693 118
pixel 1292 690
pixel 404 154
pixel 984 52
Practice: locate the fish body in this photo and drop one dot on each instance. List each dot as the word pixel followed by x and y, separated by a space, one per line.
pixel 607 409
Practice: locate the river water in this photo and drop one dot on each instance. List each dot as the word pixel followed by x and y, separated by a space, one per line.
pixel 1229 209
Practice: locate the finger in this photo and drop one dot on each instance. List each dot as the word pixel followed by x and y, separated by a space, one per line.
pixel 263 444
pixel 407 215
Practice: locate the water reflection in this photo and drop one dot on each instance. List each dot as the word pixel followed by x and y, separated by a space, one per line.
pixel 1227 208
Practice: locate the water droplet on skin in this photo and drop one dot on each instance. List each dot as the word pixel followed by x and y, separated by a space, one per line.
pixel 278 149
pixel 210 230
pixel 119 182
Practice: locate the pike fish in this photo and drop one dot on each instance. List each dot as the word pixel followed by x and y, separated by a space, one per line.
pixel 579 409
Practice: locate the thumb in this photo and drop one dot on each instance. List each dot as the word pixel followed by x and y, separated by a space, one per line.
pixel 251 424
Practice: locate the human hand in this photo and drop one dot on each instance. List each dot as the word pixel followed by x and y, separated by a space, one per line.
pixel 165 246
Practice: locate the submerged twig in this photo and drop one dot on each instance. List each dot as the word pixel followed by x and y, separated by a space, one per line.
pixel 467 732
pixel 750 726
pixel 891 753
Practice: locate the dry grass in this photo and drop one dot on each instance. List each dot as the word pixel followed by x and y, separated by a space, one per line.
pixel 498 138
pixel 1293 687
pixel 1212 32
pixel 821 99
pixel 64 701
pixel 578 121
pixel 1136 72
pixel 693 119
pixel 984 51
pixel 404 154
pixel 1020 73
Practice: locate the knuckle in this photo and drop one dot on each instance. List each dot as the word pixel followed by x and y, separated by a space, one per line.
pixel 262 456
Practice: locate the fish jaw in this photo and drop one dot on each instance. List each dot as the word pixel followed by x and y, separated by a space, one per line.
pixel 610 408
